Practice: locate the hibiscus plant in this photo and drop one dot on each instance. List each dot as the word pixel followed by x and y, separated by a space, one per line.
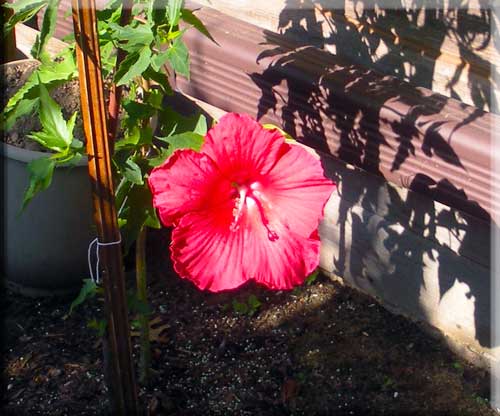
pixel 245 203
pixel 139 54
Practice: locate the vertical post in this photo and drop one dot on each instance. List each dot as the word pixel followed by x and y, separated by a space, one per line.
pixel 121 375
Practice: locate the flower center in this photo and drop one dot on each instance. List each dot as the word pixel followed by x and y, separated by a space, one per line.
pixel 250 198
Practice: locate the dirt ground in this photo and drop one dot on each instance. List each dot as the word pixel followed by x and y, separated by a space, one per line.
pixel 321 349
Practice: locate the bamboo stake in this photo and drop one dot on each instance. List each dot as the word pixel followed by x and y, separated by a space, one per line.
pixel 121 376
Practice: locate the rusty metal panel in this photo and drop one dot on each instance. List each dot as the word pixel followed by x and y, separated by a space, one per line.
pixel 413 137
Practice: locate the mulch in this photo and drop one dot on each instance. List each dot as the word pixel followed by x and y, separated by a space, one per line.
pixel 320 349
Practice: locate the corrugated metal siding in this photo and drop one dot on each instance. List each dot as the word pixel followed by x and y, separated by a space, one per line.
pixel 413 137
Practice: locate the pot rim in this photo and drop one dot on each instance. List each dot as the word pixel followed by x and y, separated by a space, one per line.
pixel 20 61
pixel 25 155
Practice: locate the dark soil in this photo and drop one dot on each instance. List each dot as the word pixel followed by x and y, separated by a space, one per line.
pixel 321 349
pixel 67 95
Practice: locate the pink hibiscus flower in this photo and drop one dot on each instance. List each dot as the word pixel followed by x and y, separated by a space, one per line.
pixel 246 207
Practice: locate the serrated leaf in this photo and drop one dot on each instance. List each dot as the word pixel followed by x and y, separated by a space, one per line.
pixel 47 29
pixel 20 5
pixel 48 74
pixel 87 291
pixel 136 37
pixel 189 17
pixel 23 10
pixel 24 107
pixel 133 65
pixel 40 177
pixel 178 56
pixel 56 134
pixel 159 60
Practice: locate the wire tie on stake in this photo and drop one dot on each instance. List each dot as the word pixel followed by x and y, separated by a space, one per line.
pixel 95 278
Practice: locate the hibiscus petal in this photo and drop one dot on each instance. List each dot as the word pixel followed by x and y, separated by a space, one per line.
pixel 187 181
pixel 206 252
pixel 241 147
pixel 297 190
pixel 282 262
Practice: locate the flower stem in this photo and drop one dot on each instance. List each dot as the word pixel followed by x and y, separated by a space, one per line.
pixel 143 318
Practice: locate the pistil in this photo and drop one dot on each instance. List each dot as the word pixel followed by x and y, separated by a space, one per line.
pixel 242 201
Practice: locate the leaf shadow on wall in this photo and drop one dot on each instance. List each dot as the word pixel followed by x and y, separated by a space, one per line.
pixel 388 239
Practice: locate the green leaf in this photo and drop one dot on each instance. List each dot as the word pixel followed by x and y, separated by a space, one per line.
pixel 138 111
pixel 48 74
pixel 175 123
pixel 56 134
pixel 312 277
pixel 47 29
pixel 188 140
pixel 40 176
pixel 132 172
pixel 201 126
pixel 253 302
pixel 136 138
pixel 23 107
pixel 137 212
pixel 240 308
pixel 160 78
pixel 288 138
pixel 178 56
pixel 159 60
pixel 189 17
pixel 136 36
pixel 76 144
pixel 122 190
pixel 23 10
pixel 88 290
pixel 174 11
pixel 20 5
pixel 108 57
pixel 133 65
pixel 155 98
